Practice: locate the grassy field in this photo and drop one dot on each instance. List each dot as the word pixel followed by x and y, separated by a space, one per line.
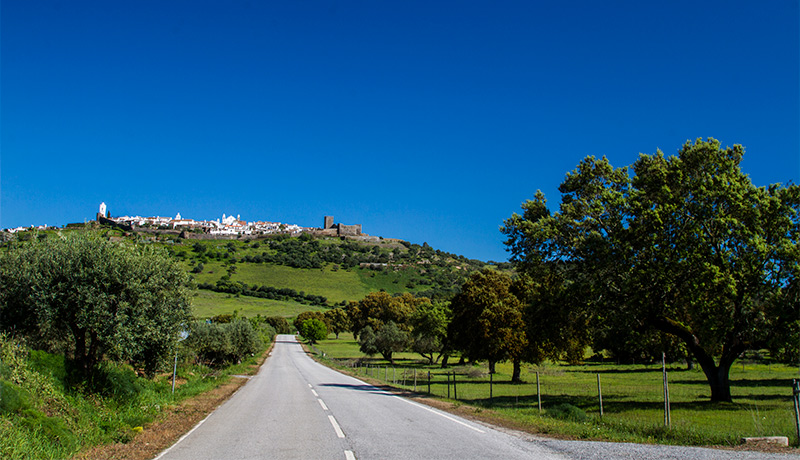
pixel 633 404
pixel 335 285
pixel 206 304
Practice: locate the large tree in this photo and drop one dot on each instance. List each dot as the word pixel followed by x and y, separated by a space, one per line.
pixel 686 245
pixel 338 321
pixel 487 321
pixel 379 308
pixel 94 298
pixel 429 330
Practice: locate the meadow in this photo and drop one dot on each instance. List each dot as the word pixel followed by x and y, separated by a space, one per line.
pixel 336 285
pixel 206 304
pixel 632 396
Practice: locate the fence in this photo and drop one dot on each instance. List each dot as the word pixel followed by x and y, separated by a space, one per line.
pixel 643 398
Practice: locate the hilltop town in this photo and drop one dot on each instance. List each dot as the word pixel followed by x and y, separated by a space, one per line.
pixel 227 226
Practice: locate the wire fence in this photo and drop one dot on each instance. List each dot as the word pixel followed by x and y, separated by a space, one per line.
pixel 642 398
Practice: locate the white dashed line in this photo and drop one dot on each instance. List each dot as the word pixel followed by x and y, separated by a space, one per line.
pixel 315 393
pixel 348 455
pixel 309 385
pixel 324 407
pixel 336 427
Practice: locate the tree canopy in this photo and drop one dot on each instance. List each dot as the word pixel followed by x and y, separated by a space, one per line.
pixel 487 320
pixel 379 308
pixel 93 298
pixel 685 244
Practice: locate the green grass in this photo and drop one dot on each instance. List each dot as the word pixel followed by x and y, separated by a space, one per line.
pixel 633 403
pixel 336 286
pixel 206 304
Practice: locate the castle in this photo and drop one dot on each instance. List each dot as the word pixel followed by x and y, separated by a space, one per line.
pixel 331 229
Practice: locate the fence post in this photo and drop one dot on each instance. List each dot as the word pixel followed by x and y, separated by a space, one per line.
pixel 415 380
pixel 666 389
pixel 448 385
pixel 538 392
pixel 600 395
pixel 796 394
pixel 429 382
pixel 455 387
pixel 491 383
pixel 394 376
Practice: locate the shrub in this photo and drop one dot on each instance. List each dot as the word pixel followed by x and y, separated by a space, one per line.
pixel 244 339
pixel 567 411
pixel 222 343
pixel 279 323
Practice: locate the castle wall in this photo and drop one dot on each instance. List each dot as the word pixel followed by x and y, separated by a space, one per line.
pixel 349 230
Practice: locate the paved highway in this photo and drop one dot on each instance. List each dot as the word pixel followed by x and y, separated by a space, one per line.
pixel 295 408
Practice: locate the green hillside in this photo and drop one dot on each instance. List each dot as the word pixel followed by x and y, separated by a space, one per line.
pixel 283 276
pixel 332 270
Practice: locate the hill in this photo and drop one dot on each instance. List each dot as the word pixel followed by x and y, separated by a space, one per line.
pixel 317 272
pixel 282 275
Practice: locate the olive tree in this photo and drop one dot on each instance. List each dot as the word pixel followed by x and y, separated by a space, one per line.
pixel 94 299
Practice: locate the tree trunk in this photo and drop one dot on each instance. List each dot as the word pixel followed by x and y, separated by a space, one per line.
pixel 79 357
pixel 515 377
pixel 717 376
pixel 445 359
pixel 720 383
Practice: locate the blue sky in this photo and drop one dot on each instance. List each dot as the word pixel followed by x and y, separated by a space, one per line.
pixel 427 121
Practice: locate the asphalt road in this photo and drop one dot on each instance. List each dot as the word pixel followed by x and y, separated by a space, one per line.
pixel 295 408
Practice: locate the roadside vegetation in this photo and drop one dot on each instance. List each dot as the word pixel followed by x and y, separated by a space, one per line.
pixel 633 403
pixel 91 330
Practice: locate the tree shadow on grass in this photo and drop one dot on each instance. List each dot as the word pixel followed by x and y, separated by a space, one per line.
pixel 741 383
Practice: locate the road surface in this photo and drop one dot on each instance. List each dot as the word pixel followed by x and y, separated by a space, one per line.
pixel 295 408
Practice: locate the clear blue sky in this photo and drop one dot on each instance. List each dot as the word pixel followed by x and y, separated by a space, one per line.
pixel 427 121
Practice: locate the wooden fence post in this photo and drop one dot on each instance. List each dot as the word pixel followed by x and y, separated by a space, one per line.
pixel 538 392
pixel 600 395
pixel 796 394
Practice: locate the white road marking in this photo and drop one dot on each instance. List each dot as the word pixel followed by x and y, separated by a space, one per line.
pixel 324 407
pixel 315 393
pixel 437 413
pixel 309 385
pixel 336 427
pixel 348 455
pixel 183 437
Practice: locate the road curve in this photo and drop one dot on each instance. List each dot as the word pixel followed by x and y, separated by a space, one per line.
pixel 295 408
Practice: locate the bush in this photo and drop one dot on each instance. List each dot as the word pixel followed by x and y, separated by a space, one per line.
pixel 115 381
pixel 244 338
pixel 567 412
pixel 217 344
pixel 279 323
